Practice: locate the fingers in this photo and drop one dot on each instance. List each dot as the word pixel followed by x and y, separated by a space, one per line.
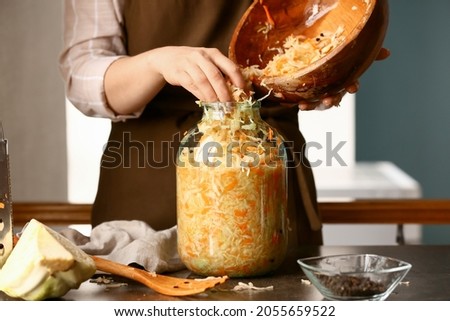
pixel 205 72
pixel 324 104
pixel 383 54
pixel 353 88
pixel 221 72
pixel 335 100
pixel 328 101
pixel 310 105
pixel 229 69
pixel 199 79
pixel 187 81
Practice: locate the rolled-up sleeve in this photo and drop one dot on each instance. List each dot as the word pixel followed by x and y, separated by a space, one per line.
pixel 93 39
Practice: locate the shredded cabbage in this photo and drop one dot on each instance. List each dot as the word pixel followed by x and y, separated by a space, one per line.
pixel 297 53
pixel 231 194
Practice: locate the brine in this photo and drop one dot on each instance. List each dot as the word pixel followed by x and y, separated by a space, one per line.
pixel 232 194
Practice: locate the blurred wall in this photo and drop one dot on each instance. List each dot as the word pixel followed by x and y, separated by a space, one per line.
pixel 403 106
pixel 32 98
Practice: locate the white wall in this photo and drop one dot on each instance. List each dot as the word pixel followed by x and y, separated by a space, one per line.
pixel 327 128
pixel 86 137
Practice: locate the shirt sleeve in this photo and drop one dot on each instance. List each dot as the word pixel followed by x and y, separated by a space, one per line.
pixel 93 39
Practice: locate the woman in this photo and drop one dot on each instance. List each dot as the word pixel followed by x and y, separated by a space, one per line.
pixel 143 64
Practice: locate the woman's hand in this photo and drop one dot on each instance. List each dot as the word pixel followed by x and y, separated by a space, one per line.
pixel 335 100
pixel 205 72
pixel 329 101
pixel 131 82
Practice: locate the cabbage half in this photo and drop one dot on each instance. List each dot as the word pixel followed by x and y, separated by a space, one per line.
pixel 44 264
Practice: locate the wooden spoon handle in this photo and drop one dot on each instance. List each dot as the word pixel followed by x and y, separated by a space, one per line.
pixel 117 268
pixel 160 283
pixel 149 279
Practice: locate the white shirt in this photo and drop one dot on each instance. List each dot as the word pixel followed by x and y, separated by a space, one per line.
pixel 93 39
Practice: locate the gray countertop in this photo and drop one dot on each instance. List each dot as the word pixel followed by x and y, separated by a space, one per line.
pixel 427 279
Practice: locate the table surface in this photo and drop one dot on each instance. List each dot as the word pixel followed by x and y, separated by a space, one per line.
pixel 427 280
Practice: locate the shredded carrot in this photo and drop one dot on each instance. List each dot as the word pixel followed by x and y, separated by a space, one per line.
pixel 269 16
pixel 228 214
pixel 240 213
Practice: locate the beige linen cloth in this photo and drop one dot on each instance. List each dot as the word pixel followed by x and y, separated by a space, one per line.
pixel 131 242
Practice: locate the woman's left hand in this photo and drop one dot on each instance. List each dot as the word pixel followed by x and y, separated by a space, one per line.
pixel 329 101
pixel 335 100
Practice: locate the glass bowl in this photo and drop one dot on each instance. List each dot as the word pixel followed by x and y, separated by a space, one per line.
pixel 354 276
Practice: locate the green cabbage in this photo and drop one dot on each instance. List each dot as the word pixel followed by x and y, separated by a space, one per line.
pixel 44 264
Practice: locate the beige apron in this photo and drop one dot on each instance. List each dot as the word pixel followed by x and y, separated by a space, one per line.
pixel 137 177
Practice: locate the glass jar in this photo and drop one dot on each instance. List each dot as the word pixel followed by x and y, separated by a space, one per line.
pixel 232 193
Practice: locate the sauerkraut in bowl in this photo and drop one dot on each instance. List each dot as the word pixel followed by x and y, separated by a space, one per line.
pixel 304 51
pixel 232 193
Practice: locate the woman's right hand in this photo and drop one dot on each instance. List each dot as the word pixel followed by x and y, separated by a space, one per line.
pixel 205 72
pixel 131 82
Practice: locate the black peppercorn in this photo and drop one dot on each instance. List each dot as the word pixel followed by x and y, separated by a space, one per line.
pixel 348 286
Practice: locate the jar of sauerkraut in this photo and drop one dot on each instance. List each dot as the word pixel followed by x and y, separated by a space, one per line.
pixel 232 193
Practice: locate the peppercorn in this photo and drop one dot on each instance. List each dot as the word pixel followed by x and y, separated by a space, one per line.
pixel 348 286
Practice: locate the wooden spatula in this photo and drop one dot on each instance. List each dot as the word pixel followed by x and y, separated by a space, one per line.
pixel 160 283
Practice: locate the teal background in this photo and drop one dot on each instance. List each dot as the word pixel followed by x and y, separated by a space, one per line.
pixel 403 105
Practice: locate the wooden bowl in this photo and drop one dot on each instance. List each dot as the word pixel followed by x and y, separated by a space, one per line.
pixel 360 25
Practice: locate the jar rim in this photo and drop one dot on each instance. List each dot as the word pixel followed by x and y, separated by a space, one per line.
pixel 230 105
